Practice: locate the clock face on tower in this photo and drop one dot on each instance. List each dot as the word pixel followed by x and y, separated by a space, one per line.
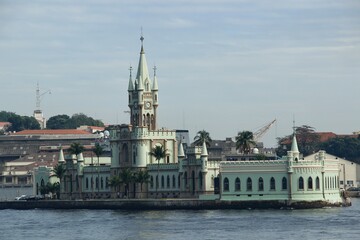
pixel 147 104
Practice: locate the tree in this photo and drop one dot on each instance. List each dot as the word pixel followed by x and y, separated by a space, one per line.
pixel 244 141
pixel 50 188
pixel 98 150
pixel 142 177
pixel 307 139
pixel 202 136
pixel 158 152
pixel 63 121
pixel 19 123
pixel 79 119
pixel 115 182
pixel 126 177
pixel 76 148
pixel 58 171
pixel 344 147
pixel 58 122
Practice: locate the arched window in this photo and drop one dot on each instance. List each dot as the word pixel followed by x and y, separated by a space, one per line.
pixel 301 183
pixel 261 184
pixel 168 181
pixel 272 183
pixel 237 184
pixel 174 181
pixel 249 184
pixel 185 179
pixel 310 183
pixel 284 183
pixel 226 184
pixel 151 182
pixel 162 182
pixel 317 183
pixel 200 181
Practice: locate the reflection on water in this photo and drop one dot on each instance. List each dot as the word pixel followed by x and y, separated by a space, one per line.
pixel 330 223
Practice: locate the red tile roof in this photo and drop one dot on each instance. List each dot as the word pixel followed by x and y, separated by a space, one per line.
pixel 51 132
pixel 3 124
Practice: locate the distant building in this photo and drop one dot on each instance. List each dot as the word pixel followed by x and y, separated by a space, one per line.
pixel 23 152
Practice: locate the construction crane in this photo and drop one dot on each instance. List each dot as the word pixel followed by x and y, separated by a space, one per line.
pixel 259 133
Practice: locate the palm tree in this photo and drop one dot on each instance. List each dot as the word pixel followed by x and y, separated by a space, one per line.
pixel 98 150
pixel 76 148
pixel 142 177
pixel 115 182
pixel 244 141
pixel 158 152
pixel 58 171
pixel 126 177
pixel 201 137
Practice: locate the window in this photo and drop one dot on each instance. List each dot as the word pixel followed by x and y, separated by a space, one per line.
pixel 237 184
pixel 87 183
pixel 284 183
pixel 179 181
pixel 167 159
pixel 174 181
pixel 301 183
pixel 261 184
pixel 310 183
pixel 162 182
pixel 272 183
pixel 106 182
pixel 200 181
pixel 317 183
pixel 249 184
pixel 185 179
pixel 151 182
pixel 102 183
pixel 97 182
pixel 226 185
pixel 157 181
pixel 168 181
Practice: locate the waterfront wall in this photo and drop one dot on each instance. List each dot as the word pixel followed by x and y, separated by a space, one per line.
pixel 162 204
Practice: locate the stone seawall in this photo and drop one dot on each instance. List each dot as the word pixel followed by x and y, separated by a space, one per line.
pixel 161 204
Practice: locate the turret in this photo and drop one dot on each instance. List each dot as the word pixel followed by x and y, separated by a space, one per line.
pixel 204 158
pixel 155 89
pixel 80 164
pixel 295 149
pixel 61 156
pixel 181 157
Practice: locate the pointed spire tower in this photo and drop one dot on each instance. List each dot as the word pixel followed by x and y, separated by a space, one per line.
pixel 61 156
pixel 294 145
pixel 143 97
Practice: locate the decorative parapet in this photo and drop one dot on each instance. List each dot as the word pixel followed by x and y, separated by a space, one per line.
pixel 163 166
pixel 95 169
pixel 195 150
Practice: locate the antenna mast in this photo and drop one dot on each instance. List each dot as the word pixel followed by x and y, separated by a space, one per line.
pixel 38 96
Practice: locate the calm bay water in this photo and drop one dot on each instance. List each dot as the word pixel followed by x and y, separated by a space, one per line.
pixel 329 223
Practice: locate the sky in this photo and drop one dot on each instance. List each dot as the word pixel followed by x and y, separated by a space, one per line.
pixel 222 66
